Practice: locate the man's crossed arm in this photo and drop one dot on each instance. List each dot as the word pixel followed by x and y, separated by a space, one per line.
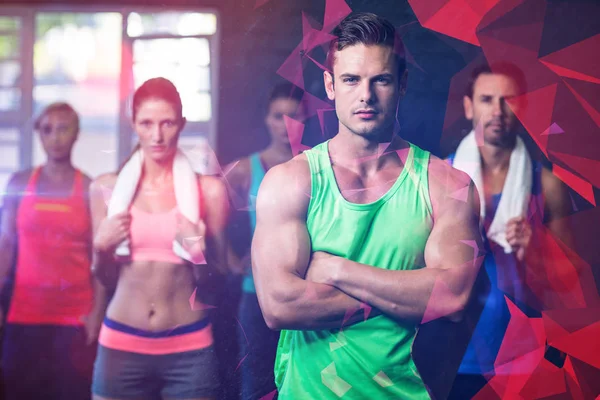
pixel 298 290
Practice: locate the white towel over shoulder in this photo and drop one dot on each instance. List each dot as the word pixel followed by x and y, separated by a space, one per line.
pixel 186 194
pixel 515 193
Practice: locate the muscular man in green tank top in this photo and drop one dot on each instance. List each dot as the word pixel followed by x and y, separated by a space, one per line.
pixel 363 237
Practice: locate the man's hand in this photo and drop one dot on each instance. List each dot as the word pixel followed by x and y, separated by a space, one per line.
pixel 518 235
pixel 322 268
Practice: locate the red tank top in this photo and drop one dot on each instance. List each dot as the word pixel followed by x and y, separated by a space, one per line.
pixel 53 278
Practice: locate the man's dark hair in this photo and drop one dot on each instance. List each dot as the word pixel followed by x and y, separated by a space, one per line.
pixel 285 90
pixel 499 68
pixel 367 29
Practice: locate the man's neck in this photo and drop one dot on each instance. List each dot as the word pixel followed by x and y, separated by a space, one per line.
pixel 365 156
pixel 494 158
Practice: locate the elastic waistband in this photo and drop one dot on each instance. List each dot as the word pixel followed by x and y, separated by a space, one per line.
pixel 118 336
pixel 179 330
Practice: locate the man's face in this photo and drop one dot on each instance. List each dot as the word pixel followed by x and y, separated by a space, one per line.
pixel 366 89
pixel 489 110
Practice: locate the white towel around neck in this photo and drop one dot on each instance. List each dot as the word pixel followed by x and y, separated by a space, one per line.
pixel 185 184
pixel 515 193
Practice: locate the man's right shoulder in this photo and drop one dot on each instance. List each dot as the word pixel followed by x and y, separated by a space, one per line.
pixel 288 184
pixel 445 182
pixel 293 173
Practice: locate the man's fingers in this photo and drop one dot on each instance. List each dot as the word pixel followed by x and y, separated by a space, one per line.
pixel 514 240
pixel 515 220
pixel 511 233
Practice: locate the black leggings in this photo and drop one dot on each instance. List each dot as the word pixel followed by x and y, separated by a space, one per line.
pixel 258 348
pixel 46 362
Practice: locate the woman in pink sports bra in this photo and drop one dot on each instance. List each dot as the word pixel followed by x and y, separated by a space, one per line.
pixel 156 340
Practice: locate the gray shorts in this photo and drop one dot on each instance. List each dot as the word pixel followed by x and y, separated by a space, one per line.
pixel 125 375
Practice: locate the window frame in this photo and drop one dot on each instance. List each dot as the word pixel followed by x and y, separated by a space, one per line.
pixel 22 119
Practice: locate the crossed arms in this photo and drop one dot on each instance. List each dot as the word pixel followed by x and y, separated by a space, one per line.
pixel 300 290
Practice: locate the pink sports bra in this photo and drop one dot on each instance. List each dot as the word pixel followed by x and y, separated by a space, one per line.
pixel 152 235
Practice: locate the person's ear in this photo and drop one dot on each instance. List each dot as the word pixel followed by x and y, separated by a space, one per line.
pixel 329 85
pixel 402 83
pixel 468 105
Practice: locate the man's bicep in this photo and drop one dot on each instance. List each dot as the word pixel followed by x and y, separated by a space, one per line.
pixel 280 255
pixel 281 245
pixel 456 246
pixel 280 251
pixel 455 238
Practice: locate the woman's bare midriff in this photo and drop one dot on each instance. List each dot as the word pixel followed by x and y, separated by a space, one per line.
pixel 155 296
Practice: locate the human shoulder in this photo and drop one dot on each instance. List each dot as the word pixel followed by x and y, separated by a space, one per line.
pixel 290 175
pixel 445 180
pixel 551 184
pixel 14 189
pixel 103 185
pixel 237 173
pixel 18 182
pixel 9 203
pixel 556 195
pixel 286 186
pixel 109 179
pixel 86 180
pixel 212 187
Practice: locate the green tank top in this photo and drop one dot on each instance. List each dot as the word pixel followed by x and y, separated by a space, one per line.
pixel 371 359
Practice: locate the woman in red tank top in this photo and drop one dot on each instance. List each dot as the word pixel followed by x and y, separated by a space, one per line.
pixel 53 320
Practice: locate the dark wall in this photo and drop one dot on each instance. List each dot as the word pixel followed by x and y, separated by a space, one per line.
pixel 252 50
pixel 255 41
pixel 264 37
